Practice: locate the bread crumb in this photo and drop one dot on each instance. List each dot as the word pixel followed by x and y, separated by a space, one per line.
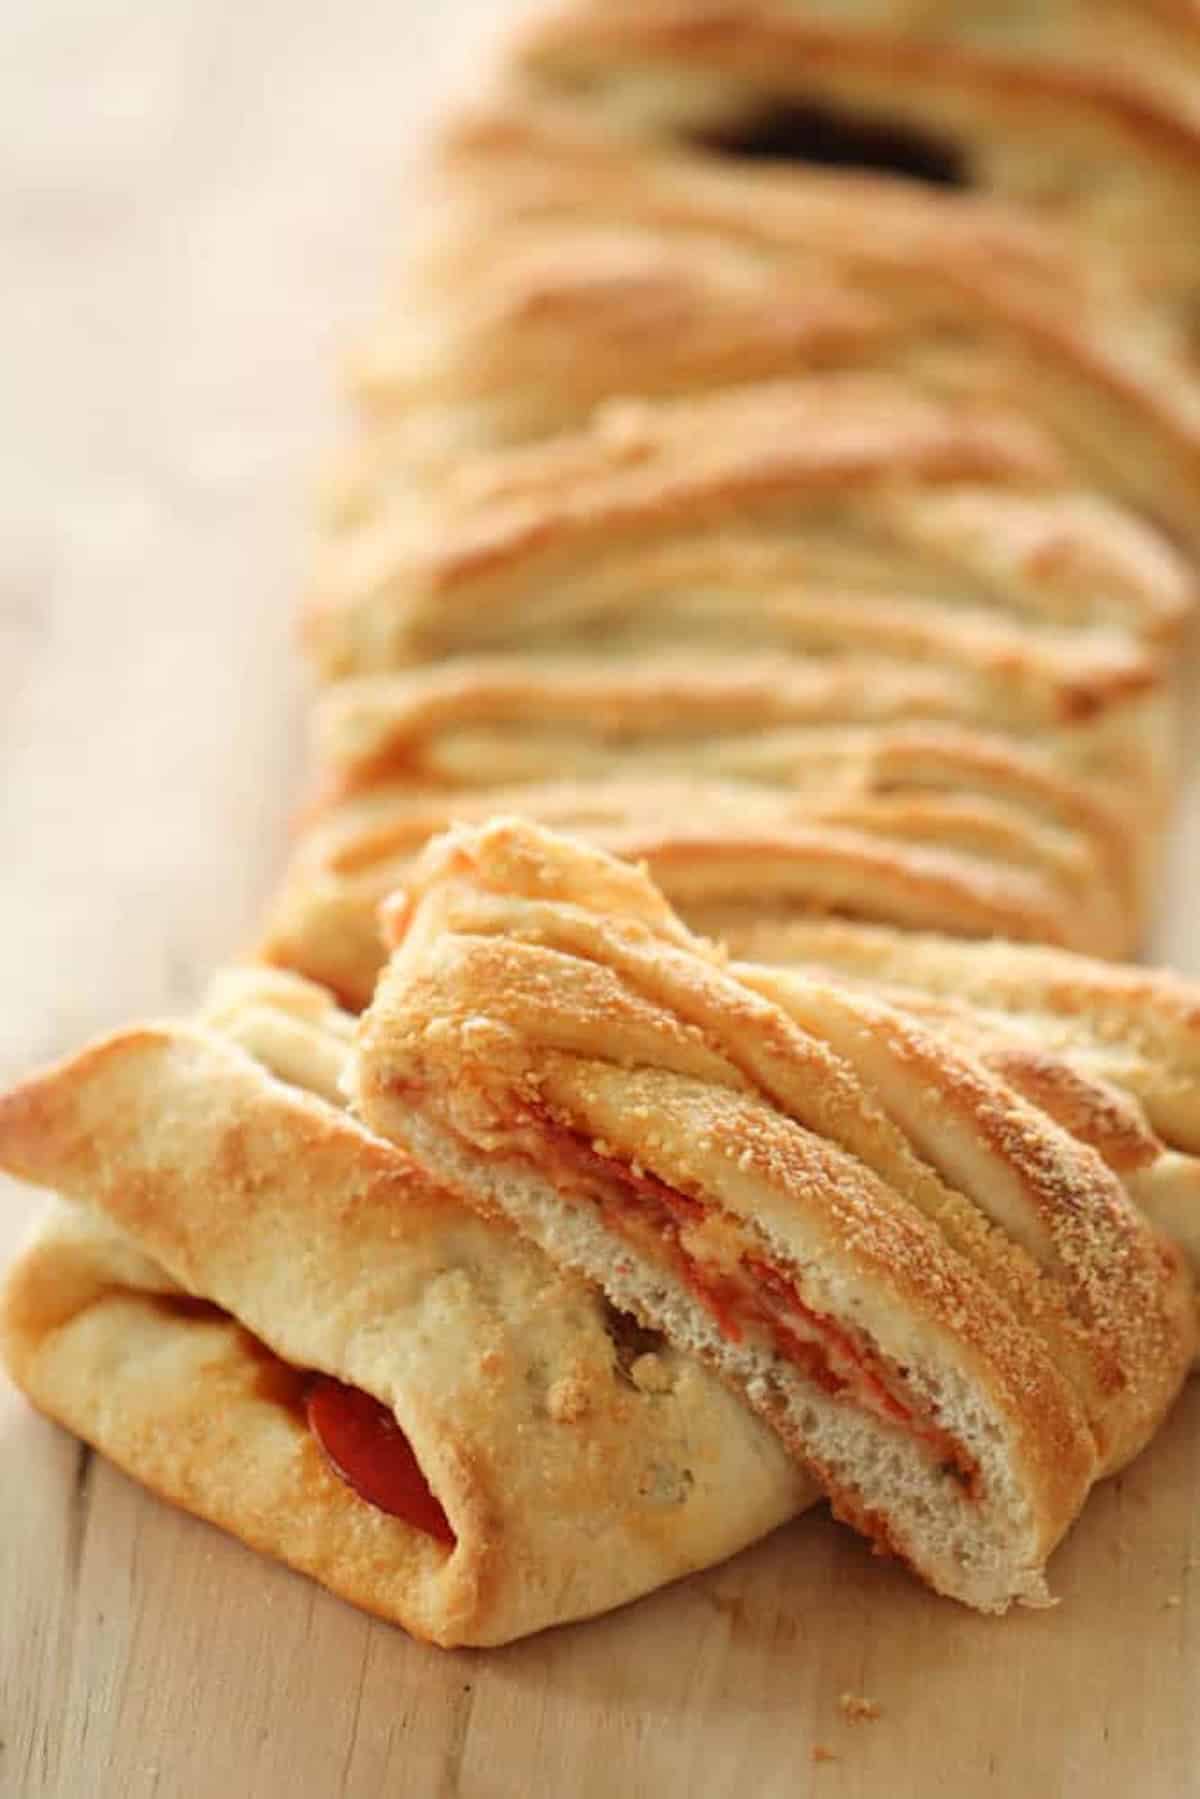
pixel 567 1400
pixel 1172 1600
pixel 859 1710
pixel 650 1374
pixel 821 1754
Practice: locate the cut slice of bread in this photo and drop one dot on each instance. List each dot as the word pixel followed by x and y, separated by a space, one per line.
pixel 937 1296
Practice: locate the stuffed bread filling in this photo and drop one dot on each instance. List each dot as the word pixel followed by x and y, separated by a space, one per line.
pixel 358 1436
pixel 749 1298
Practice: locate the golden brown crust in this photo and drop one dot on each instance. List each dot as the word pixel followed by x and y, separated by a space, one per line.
pixel 1100 695
pixel 780 42
pixel 198 1171
pixel 627 538
pixel 839 735
pixel 488 721
pixel 1084 144
pixel 1111 1054
pixel 496 721
pixel 519 996
pixel 617 269
pixel 609 311
pixel 874 473
pixel 528 163
pixel 1147 45
pixel 1134 1028
pixel 966 863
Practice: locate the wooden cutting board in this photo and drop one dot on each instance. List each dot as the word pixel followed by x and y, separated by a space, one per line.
pixel 204 198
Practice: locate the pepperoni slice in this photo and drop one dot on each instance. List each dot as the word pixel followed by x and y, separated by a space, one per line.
pixel 370 1452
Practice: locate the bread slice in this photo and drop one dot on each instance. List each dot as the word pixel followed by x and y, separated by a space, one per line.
pixel 270 1318
pixel 937 1297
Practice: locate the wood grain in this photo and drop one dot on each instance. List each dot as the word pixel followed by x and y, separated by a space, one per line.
pixel 202 199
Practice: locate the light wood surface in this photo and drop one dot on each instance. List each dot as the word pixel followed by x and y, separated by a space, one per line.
pixel 199 199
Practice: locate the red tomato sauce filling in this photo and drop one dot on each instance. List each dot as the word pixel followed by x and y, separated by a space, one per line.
pixel 366 1447
pixel 360 1438
pixel 753 1295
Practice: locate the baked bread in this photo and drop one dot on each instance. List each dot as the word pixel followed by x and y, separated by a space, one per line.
pixel 789 722
pixel 1150 46
pixel 488 721
pixel 1100 698
pixel 685 519
pixel 1105 157
pixel 1137 1029
pixel 616 268
pixel 1111 1053
pixel 247 1293
pixel 968 861
pixel 934 1294
pixel 832 732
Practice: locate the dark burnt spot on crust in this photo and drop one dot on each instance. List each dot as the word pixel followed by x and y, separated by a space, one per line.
pixel 815 132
